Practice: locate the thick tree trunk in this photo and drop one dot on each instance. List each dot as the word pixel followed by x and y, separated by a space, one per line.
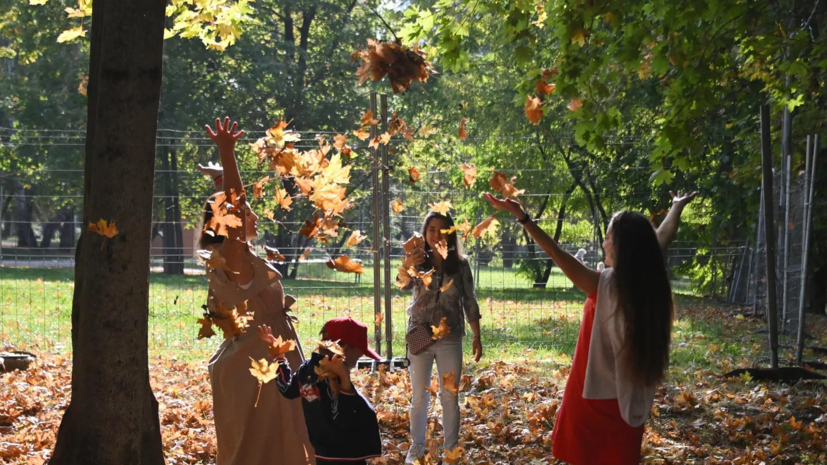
pixel 112 418
pixel 57 223
pixel 24 211
pixel 67 230
pixel 173 239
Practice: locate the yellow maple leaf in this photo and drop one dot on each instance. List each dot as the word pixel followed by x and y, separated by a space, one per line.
pixel 104 229
pixel 258 187
pixel 361 134
pixel 278 347
pixel 500 183
pixel 283 198
pixel 385 138
pixel 454 455
pixel 579 36
pixel 438 332
pixel 442 248
pixel 332 346
pixel 441 207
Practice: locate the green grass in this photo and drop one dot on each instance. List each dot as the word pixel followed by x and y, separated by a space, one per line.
pixel 518 320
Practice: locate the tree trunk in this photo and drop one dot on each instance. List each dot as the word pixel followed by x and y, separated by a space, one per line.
pixel 172 238
pixel 57 223
pixel 508 247
pixel 67 230
pixel 23 217
pixel 112 418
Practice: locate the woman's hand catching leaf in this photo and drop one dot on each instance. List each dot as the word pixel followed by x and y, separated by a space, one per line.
pixel 681 199
pixel 509 205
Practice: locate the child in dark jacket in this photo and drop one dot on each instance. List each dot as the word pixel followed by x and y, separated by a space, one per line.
pixel 341 423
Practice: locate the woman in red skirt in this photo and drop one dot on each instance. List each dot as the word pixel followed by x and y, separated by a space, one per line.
pixel 622 350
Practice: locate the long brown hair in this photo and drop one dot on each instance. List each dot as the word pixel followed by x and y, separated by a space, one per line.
pixel 644 297
pixel 455 257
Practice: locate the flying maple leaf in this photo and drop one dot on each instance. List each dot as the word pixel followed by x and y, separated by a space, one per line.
pixel 434 387
pixel 258 187
pixel 441 207
pixel 469 174
pixel 534 110
pixel 206 328
pixel 214 259
pixel 368 119
pixel 273 254
pixel 462 132
pixel 442 248
pixel 402 65
pixel 345 265
pixel 355 238
pixel 231 321
pixel 385 138
pixel 283 198
pixel 304 254
pixel 447 285
pixel 278 347
pixel 574 104
pixel 104 229
pixel 377 318
pixel 579 36
pixel 374 143
pixel 506 187
pixel 454 455
pixel 415 242
pixel 408 135
pixel 450 230
pixel 339 141
pixel 397 207
pixel 311 227
pixel 397 125
pixel 413 175
pixel 361 134
pixel 542 87
pixel 449 384
pixel 425 276
pixel 328 369
pixel 487 226
pixel 403 278
pixel 332 346
pixel 264 372
pixel 438 332
pixel 427 131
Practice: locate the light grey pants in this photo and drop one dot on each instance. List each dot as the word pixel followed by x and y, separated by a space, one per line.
pixel 448 356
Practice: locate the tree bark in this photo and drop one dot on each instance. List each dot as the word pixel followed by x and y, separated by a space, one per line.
pixel 112 418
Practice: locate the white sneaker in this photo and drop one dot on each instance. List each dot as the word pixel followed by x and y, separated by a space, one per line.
pixel 414 454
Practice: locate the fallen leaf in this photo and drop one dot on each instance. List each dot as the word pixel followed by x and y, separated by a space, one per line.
pixel 441 207
pixel 487 226
pixel 454 455
pixel 469 174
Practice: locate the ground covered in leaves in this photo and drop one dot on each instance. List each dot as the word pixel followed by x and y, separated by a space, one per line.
pixel 508 407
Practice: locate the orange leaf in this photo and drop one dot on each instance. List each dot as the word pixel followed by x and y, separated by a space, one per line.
pixel 206 328
pixel 397 207
pixel 332 346
pixel 534 110
pixel 283 198
pixel 339 141
pixel 434 387
pixel 447 285
pixel 361 134
pixel 575 104
pixel 442 248
pixel 258 187
pixel 438 332
pixel 304 254
pixel 449 384
pixel 279 347
pixel 263 371
pixel 368 119
pixel 500 183
pixel 108 230
pixel 469 174
pixel 377 318
pixel 345 265
pixel 273 254
pixel 355 239
pixel 403 278
pixel 397 125
pixel 413 175
pixel 462 132
pixel 543 88
pixel 305 184
pixel 488 226
pixel 454 455
pixel 311 228
pixel 415 242
pixel 441 207
pixel 385 138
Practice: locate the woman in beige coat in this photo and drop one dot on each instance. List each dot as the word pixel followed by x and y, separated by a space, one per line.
pixel 273 432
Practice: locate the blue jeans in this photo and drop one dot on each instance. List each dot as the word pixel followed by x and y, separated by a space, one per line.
pixel 448 356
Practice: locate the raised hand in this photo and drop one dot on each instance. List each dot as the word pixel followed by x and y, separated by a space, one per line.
pixel 266 334
pixel 224 135
pixel 682 198
pixel 509 205
pixel 213 170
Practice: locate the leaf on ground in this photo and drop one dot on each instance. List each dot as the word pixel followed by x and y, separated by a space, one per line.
pixel 454 455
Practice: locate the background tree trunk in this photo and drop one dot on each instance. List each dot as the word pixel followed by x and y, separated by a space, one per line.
pixel 112 418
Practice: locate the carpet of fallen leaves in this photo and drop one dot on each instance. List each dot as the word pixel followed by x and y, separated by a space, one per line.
pixel 508 408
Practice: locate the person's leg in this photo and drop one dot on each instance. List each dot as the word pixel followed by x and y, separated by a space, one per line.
pixel 449 359
pixel 420 371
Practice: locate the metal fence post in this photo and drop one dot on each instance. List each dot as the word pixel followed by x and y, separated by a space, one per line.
pixel 808 216
pixel 377 238
pixel 386 232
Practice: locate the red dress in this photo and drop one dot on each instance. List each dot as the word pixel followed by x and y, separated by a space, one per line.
pixel 591 431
